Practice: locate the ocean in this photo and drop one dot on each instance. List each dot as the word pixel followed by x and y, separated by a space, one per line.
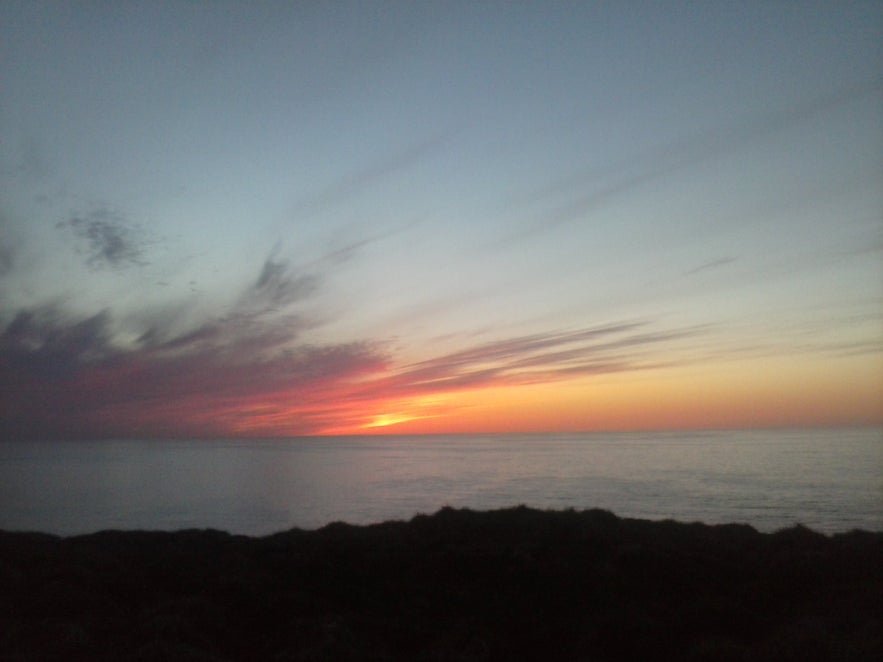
pixel 828 480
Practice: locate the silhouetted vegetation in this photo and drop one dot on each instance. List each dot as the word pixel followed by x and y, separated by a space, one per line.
pixel 514 584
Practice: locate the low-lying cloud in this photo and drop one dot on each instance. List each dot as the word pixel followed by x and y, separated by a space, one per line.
pixel 64 377
pixel 249 374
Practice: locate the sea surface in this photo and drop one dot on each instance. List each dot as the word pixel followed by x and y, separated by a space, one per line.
pixel 829 480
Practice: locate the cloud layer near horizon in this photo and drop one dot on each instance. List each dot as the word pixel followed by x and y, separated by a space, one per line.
pixel 66 377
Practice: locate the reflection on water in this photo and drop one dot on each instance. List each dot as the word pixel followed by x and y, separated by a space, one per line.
pixel 829 480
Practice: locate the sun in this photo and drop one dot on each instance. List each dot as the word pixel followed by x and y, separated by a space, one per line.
pixel 384 420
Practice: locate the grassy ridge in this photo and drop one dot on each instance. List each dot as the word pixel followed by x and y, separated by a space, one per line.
pixel 457 585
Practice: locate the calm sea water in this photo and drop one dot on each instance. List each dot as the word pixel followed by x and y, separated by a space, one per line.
pixel 830 480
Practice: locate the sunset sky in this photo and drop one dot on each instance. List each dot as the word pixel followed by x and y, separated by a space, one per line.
pixel 293 218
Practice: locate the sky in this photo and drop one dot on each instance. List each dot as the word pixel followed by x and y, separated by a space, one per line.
pixel 275 219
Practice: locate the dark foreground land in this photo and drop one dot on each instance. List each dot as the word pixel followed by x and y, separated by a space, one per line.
pixel 515 584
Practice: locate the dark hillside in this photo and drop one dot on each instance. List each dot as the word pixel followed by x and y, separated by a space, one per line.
pixel 514 584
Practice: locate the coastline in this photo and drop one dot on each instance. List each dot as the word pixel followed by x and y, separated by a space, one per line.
pixel 516 583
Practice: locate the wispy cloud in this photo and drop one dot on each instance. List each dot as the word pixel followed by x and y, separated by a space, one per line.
pixel 9 247
pixel 711 264
pixel 7 259
pixel 356 182
pixel 346 250
pixel 541 357
pixel 575 196
pixel 277 286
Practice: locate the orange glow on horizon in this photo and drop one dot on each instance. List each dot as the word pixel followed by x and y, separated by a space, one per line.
pixel 746 395
pixel 782 392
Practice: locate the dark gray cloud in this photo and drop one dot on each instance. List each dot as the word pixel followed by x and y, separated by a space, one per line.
pixel 108 238
pixel 42 343
pixel 62 376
